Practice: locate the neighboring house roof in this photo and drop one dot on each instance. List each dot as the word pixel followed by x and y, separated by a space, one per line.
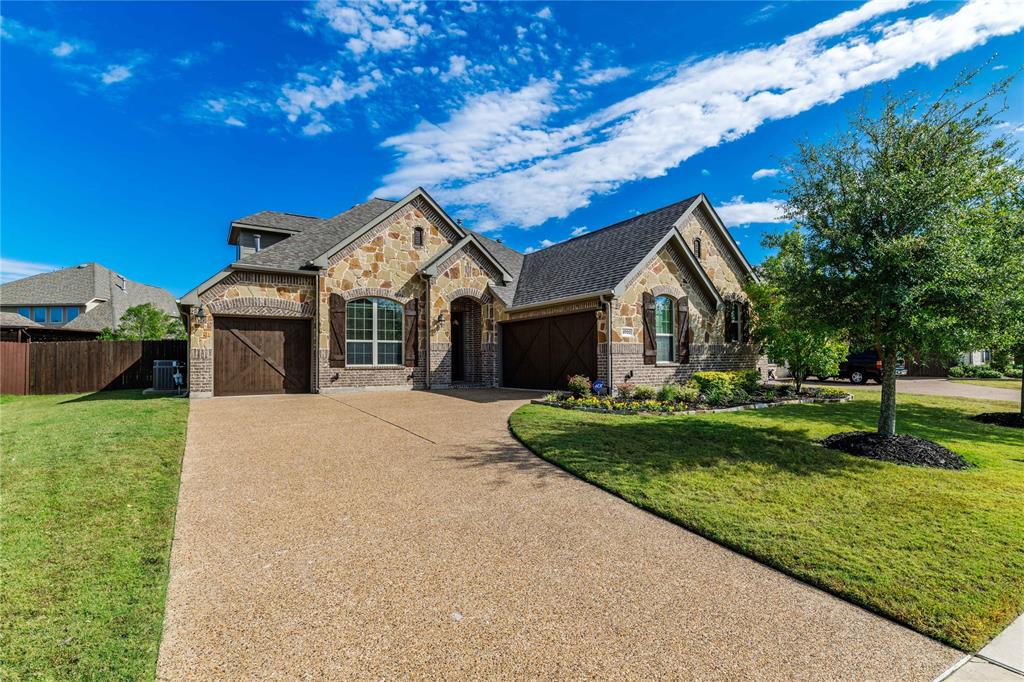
pixel 16 321
pixel 297 251
pixel 597 261
pixel 110 293
pixel 273 221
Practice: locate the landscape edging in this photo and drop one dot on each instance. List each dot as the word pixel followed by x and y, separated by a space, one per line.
pixel 710 410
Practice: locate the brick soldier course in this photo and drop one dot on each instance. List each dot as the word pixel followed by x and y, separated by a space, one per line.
pixel 418 264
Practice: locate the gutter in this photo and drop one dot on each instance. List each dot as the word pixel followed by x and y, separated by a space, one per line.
pixel 316 333
pixel 564 299
pixel 242 267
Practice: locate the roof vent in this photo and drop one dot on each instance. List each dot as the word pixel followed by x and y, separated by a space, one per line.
pixel 498 239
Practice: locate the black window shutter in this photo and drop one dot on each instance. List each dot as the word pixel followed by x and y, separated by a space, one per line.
pixel 745 321
pixel 682 330
pixel 411 331
pixel 730 326
pixel 650 340
pixel 337 345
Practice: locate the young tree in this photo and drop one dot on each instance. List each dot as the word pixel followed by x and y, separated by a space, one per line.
pixel 785 330
pixel 897 219
pixel 145 322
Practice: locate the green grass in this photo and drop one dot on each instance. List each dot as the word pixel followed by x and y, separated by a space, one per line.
pixel 1012 384
pixel 938 550
pixel 89 487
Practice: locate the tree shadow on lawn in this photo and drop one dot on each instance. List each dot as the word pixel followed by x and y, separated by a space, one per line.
pixel 938 424
pixel 116 394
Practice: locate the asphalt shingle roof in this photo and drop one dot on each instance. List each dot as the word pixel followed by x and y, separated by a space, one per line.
pixel 15 320
pixel 596 261
pixel 510 259
pixel 281 221
pixel 83 283
pixel 296 251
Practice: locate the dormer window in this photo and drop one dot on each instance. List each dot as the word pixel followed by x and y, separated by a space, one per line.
pixel 697 247
pixel 256 242
pixel 417 237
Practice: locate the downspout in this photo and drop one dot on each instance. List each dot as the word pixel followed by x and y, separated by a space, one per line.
pixel 426 326
pixel 608 340
pixel 316 333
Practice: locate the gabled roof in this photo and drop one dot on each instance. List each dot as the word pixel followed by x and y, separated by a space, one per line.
pixel 273 221
pixel 300 250
pixel 595 262
pixel 431 266
pixel 112 293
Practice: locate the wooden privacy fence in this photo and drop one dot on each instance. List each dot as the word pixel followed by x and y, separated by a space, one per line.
pixel 82 366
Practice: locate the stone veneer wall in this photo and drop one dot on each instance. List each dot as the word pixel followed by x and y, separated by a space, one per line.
pixel 667 274
pixel 253 294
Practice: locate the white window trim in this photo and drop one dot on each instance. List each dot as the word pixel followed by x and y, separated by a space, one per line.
pixel 671 335
pixel 373 340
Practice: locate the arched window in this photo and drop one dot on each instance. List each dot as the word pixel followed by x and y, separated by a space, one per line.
pixel 417 236
pixel 696 247
pixel 665 328
pixel 373 331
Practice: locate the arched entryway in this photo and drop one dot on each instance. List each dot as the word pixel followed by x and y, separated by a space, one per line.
pixel 466 335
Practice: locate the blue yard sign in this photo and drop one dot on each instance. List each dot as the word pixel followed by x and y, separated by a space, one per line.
pixel 599 387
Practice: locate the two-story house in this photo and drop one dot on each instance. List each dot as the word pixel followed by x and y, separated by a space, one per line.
pixel 82 299
pixel 396 294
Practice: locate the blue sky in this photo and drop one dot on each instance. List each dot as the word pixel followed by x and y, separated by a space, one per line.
pixel 133 133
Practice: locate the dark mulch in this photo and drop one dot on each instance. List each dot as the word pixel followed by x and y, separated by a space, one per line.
pixel 1012 419
pixel 901 449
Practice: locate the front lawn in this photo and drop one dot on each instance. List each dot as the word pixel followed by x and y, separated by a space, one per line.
pixel 90 485
pixel 1012 384
pixel 938 550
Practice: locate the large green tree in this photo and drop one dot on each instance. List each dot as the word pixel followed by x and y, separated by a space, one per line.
pixel 898 214
pixel 785 329
pixel 145 322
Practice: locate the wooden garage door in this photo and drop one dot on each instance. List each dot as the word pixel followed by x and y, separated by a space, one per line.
pixel 543 353
pixel 253 355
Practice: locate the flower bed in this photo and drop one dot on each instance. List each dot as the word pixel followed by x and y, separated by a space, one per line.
pixel 766 396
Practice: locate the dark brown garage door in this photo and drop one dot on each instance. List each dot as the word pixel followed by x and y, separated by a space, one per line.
pixel 543 353
pixel 260 355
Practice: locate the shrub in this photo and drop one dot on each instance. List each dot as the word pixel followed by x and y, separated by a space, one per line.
pixel 553 397
pixel 676 393
pixel 625 390
pixel 957 371
pixel 579 386
pixel 717 383
pixel 986 372
pixel 1013 372
pixel 645 393
pixel 747 379
pixel 739 396
pixel 974 371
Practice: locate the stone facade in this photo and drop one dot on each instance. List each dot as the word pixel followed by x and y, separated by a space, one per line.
pixel 386 262
pixel 251 294
pixel 668 274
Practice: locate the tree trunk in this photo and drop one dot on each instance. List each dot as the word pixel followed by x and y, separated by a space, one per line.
pixel 798 377
pixel 887 412
pixel 1022 397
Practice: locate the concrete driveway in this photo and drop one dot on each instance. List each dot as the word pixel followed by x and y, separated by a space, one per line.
pixel 407 535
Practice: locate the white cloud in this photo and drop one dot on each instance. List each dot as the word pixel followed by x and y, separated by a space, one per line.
pixel 544 13
pixel 579 230
pixel 1000 67
pixel 63 49
pixel 310 96
pixel 468 7
pixel 736 211
pixel 506 164
pixel 529 249
pixel 116 73
pixel 374 24
pixel 233 121
pixel 545 243
pixel 764 173
pixel 705 172
pixel 11 269
pixel 608 75
pixel 456 68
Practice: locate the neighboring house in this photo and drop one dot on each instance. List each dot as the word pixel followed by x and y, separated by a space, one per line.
pixel 82 298
pixel 395 294
pixel 15 327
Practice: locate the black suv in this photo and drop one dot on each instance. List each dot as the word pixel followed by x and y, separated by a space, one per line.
pixel 859 367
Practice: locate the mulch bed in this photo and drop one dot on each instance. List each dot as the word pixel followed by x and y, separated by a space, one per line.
pixel 900 449
pixel 1011 419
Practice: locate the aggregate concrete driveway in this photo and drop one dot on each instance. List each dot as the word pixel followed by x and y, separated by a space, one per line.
pixel 407 535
